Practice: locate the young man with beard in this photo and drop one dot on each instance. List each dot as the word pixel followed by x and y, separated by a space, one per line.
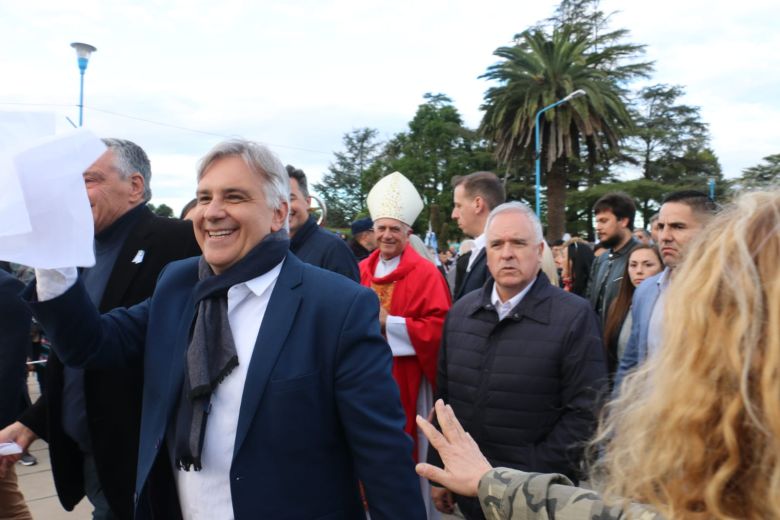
pixel 614 226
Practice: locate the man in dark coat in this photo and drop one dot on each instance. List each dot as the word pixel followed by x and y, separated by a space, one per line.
pixel 15 321
pixel 363 241
pixel 521 361
pixel 91 418
pixel 311 243
pixel 474 196
pixel 614 226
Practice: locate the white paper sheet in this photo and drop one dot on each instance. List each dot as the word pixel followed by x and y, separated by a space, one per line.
pixel 10 448
pixel 17 128
pixel 50 176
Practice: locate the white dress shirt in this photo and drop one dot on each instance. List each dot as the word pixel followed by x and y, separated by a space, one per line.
pixel 656 326
pixel 503 308
pixel 479 245
pixel 205 494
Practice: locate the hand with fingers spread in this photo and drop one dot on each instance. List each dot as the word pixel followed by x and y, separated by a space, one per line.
pixel 464 464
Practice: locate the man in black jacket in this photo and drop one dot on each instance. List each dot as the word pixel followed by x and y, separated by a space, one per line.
pixel 614 226
pixel 91 418
pixel 311 243
pixel 474 196
pixel 521 361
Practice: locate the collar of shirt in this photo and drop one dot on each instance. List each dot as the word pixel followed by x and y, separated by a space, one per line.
pixel 385 267
pixel 664 279
pixel 479 245
pixel 503 308
pixel 257 286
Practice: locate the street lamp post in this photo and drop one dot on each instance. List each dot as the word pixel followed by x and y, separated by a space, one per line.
pixel 83 51
pixel 538 145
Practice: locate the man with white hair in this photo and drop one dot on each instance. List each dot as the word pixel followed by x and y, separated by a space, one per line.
pixel 413 295
pixel 521 361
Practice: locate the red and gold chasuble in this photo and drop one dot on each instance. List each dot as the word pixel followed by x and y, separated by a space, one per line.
pixel 416 291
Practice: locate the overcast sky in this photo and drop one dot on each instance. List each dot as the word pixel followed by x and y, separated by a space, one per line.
pixel 297 75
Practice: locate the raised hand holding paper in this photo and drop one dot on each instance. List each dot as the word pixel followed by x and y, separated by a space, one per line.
pixel 52 187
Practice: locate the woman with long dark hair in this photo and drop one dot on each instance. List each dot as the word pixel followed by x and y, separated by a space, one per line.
pixel 643 262
pixel 576 259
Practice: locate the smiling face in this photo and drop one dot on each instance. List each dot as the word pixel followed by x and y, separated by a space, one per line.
pixel 299 207
pixel 232 215
pixel 642 264
pixel 391 237
pixel 111 196
pixel 678 224
pixel 514 255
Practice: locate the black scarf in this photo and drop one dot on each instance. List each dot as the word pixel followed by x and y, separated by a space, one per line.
pixel 211 354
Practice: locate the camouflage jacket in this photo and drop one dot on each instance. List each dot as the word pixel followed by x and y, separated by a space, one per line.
pixel 508 494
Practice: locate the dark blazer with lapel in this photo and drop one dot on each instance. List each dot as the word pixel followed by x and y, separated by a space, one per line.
pixel 112 396
pixel 15 321
pixel 319 411
pixel 467 281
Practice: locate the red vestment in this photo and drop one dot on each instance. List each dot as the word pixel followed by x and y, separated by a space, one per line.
pixel 416 291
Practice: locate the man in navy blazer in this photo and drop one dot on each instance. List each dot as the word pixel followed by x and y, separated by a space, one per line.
pixel 300 404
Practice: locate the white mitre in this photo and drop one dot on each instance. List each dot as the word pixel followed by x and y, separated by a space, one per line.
pixel 394 196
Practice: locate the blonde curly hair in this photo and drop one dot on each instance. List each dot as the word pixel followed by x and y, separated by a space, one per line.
pixel 695 433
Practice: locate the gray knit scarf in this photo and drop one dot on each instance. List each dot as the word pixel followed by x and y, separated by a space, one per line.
pixel 211 354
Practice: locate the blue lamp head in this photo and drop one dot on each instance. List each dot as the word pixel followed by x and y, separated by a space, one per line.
pixel 83 51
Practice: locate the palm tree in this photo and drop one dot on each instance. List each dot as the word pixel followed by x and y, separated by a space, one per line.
pixel 542 68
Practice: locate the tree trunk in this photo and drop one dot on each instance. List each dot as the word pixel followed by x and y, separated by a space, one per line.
pixel 556 200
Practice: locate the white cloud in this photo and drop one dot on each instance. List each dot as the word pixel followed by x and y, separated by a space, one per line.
pixel 299 74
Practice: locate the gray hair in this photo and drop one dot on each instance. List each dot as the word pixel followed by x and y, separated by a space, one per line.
pixel 260 160
pixel 129 159
pixel 517 207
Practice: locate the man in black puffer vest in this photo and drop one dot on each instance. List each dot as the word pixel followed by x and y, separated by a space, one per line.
pixel 521 361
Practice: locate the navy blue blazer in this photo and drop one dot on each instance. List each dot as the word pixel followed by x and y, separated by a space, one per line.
pixel 319 411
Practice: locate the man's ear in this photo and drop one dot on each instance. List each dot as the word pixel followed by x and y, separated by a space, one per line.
pixel 280 216
pixel 479 204
pixel 137 187
pixel 623 222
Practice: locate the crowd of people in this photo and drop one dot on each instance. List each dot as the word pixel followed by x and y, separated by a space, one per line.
pixel 205 366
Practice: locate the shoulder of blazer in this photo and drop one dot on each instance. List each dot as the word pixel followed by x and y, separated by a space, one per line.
pixel 172 239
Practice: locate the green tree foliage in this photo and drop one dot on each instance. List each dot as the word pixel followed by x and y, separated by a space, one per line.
pixel 163 210
pixel 436 148
pixel 543 66
pixel 670 140
pixel 763 175
pixel 343 186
